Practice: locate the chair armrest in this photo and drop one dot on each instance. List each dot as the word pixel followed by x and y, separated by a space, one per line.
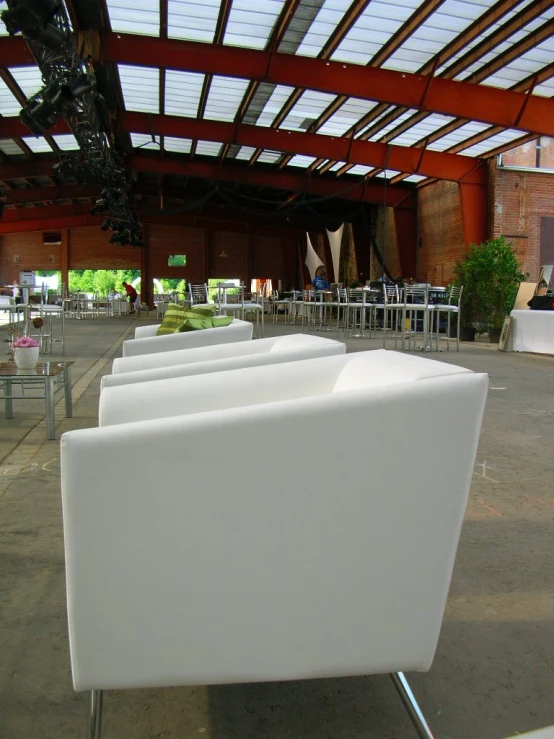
pixel 143 332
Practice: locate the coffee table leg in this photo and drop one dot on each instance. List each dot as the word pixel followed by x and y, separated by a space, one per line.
pixel 8 402
pixel 49 395
pixel 67 392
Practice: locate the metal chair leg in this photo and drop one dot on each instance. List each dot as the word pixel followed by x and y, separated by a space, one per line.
pixel 95 716
pixel 411 705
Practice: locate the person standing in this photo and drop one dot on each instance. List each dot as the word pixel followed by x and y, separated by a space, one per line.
pixel 131 294
pixel 16 292
pixel 320 281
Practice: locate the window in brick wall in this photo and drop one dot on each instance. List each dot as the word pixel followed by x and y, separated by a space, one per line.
pixel 51 237
pixel 177 260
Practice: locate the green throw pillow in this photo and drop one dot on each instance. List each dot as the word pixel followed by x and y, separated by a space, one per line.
pixel 194 323
pixel 218 321
pixel 172 320
pixel 203 310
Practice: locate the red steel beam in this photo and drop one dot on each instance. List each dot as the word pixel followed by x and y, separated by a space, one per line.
pixel 28 168
pixel 360 192
pixel 449 97
pixel 47 194
pixel 433 164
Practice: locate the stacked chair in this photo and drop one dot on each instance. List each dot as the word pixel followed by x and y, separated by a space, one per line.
pixel 206 579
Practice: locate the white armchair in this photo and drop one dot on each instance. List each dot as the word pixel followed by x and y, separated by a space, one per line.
pixel 219 357
pixel 547 733
pixel 146 341
pixel 323 570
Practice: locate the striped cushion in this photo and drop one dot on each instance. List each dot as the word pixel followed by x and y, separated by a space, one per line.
pixel 195 323
pixel 173 319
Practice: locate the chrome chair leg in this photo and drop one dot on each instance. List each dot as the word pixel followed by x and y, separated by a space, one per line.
pixel 95 716
pixel 411 705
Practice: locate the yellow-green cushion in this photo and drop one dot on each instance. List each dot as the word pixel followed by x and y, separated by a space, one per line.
pixel 172 320
pixel 203 310
pixel 194 323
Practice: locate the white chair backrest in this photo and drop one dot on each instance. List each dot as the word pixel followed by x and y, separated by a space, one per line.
pixel 198 293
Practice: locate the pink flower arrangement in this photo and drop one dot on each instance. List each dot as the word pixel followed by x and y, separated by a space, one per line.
pixel 24 342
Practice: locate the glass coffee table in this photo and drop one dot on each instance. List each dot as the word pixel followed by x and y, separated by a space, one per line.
pixel 42 382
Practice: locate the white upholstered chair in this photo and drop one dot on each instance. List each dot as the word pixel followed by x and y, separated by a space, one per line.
pixel 220 357
pixel 207 580
pixel 547 733
pixel 146 341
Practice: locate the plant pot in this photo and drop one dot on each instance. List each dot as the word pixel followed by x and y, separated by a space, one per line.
pixel 467 333
pixel 26 358
pixel 494 335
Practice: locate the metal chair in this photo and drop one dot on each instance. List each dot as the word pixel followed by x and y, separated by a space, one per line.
pixel 198 294
pixel 452 308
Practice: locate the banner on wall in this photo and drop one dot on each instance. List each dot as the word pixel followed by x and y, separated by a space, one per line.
pixel 335 240
pixel 312 260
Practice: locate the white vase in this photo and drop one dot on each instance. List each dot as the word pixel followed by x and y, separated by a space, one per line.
pixel 27 357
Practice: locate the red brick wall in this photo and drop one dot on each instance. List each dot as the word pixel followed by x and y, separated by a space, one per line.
pixel 440 232
pixel 520 199
pixel 166 240
pixel 268 258
pixel 90 248
pixel 28 249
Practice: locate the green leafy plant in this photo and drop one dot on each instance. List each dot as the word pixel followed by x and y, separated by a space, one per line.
pixel 490 273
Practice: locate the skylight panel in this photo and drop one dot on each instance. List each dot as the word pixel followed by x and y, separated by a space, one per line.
pixel 523 67
pixel 209 148
pixel 388 173
pixel 37 145
pixel 415 178
pixel 66 141
pixel 377 24
pixel 324 24
pixel 9 147
pixel 182 93
pixel 346 116
pixel 9 105
pixel 269 157
pixel 130 16
pixel 179 146
pixel 224 98
pixel 393 124
pixel 460 134
pixel 245 152
pixel 29 79
pixel 141 88
pixel 274 105
pixel 192 21
pixel 421 130
pixel 301 161
pixel 336 166
pixel 546 89
pixel 144 141
pixel 359 169
pixel 307 110
pixel 484 146
pixel 250 24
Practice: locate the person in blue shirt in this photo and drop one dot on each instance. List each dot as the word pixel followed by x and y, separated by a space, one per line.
pixel 320 281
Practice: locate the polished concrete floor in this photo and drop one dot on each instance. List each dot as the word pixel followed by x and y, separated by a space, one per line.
pixel 493 675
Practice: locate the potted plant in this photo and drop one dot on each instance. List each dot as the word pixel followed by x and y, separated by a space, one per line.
pixel 25 352
pixel 490 274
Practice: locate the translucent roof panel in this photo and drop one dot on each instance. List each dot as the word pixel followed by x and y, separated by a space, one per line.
pixel 429 125
pixel 388 173
pixel 414 178
pixel 301 161
pixel 269 156
pixel 484 146
pixel 273 106
pixel 450 19
pixel 546 89
pixel 193 20
pixel 359 169
pixel 523 67
pixel 37 145
pixel 377 24
pixel 182 93
pixel 346 116
pixel 179 146
pixel 393 124
pixel 141 88
pixel 245 152
pixel 460 134
pixel 323 26
pixel 336 166
pixel 128 16
pixel 209 148
pixel 250 24
pixel 224 98
pixel 29 79
pixel 66 141
pixel 8 146
pixel 9 105
pixel 144 141
pixel 307 110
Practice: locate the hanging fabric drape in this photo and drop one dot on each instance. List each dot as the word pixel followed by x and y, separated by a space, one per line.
pixel 335 240
pixel 312 260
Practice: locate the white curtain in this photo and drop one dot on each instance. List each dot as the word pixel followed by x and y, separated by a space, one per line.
pixel 335 239
pixel 312 260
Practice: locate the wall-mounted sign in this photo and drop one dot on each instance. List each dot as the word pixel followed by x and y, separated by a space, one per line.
pixel 27 279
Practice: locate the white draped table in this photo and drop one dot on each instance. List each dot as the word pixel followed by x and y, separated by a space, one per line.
pixel 532 331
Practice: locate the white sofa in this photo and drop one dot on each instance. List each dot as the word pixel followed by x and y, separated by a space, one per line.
pixel 277 527
pixel 532 331
pixel 219 357
pixel 146 341
pixel 547 733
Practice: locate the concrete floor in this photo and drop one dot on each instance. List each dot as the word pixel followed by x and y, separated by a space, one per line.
pixel 493 675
